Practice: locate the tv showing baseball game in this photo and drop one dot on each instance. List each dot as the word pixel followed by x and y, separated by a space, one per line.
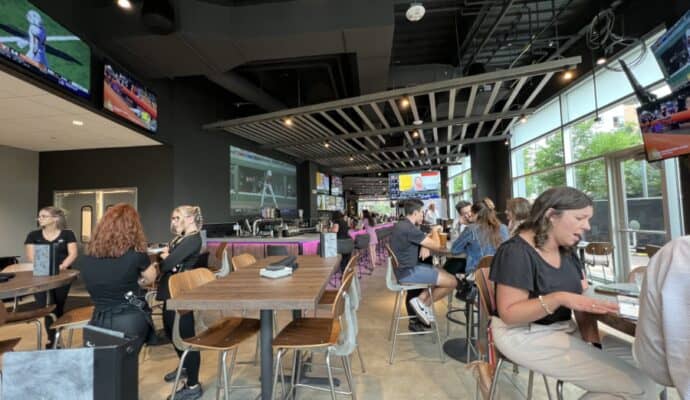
pixel 258 181
pixel 34 41
pixel 665 125
pixel 124 96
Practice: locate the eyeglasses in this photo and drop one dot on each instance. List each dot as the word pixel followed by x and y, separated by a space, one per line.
pixel 176 218
pixel 44 216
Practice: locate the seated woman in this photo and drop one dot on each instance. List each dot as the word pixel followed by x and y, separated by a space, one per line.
pixel 182 254
pixel 539 282
pixel 482 237
pixel 114 265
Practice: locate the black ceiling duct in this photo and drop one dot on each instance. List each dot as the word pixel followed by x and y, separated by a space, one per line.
pixel 158 16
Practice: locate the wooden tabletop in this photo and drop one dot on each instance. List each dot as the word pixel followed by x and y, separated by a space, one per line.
pixel 245 289
pixel 25 283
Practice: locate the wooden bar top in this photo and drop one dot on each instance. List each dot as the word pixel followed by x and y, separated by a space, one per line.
pixel 24 283
pixel 247 290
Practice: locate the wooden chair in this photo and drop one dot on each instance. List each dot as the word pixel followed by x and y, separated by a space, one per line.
pixel 27 317
pixel 71 320
pixel 242 261
pixel 487 305
pixel 594 249
pixel 224 336
pixel 320 334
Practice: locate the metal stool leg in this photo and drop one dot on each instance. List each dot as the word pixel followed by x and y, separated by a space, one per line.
pixel 395 307
pixel 494 381
pixel 438 335
pixel 397 324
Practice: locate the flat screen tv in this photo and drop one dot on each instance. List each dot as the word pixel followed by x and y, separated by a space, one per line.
pixel 33 40
pixel 336 185
pixel 322 183
pixel 665 125
pixel 258 181
pixel 421 184
pixel 672 51
pixel 124 96
pixel 340 203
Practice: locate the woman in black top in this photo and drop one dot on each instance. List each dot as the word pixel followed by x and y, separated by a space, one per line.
pixel 182 254
pixel 539 282
pixel 115 264
pixel 53 231
pixel 341 229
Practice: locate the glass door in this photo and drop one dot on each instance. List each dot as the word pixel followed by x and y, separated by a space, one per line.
pixel 642 209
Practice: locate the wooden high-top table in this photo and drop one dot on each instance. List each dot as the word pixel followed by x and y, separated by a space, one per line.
pixel 25 283
pixel 245 289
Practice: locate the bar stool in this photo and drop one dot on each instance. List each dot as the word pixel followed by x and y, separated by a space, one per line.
pixel 224 336
pixel 401 289
pixel 343 247
pixel 362 250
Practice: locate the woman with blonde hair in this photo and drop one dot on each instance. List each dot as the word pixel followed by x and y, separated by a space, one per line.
pixel 182 254
pixel 53 231
pixel 114 266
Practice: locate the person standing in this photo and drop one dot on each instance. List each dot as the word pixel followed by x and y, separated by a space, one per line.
pixel 182 254
pixel 430 215
pixel 113 268
pixel 53 231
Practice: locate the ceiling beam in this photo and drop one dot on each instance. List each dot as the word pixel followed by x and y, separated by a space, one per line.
pixel 457 83
pixel 501 15
pixel 388 131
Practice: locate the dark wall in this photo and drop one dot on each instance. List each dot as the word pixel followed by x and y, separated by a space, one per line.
pixel 491 172
pixel 306 186
pixel 149 169
pixel 684 167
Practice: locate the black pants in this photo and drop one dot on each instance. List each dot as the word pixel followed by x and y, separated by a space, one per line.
pixel 59 298
pixel 193 359
pixel 132 323
pixel 455 265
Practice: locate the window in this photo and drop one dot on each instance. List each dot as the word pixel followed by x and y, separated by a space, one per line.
pixel 459 184
pixel 543 153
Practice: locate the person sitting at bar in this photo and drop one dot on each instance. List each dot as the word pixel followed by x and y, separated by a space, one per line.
pixel 182 254
pixel 517 211
pixel 408 244
pixel 455 265
pixel 482 237
pixel 53 231
pixel 661 345
pixel 539 283
pixel 115 264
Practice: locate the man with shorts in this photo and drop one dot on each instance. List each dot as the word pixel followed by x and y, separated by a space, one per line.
pixel 409 244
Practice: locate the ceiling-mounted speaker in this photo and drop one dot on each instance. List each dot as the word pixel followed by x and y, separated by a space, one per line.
pixel 158 16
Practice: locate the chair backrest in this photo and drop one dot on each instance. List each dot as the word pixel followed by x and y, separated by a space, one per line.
pixel 188 280
pixel 485 262
pixel 225 267
pixel 339 303
pixel 392 257
pixel 220 249
pixel 350 265
pixel 345 246
pixel 273 250
pixel 486 291
pixel 599 248
pixel 362 241
pixel 635 272
pixel 242 261
pixel 19 267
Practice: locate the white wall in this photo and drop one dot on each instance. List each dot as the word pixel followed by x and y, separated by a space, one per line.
pixel 18 198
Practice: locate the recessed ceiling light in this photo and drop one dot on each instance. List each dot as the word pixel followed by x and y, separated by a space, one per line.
pixel 77 122
pixel 405 102
pixel 415 12
pixel 415 134
pixel 421 151
pixel 288 121
pixel 352 158
pixel 523 118
pixel 567 75
pixel 417 122
pixel 327 145
pixel 124 4
pixel 368 167
pixel 601 60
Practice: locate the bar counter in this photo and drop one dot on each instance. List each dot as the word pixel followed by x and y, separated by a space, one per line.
pixel 305 244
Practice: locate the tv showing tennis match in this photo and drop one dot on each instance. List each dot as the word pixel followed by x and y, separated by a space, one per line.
pixel 124 96
pixel 665 125
pixel 421 184
pixel 258 181
pixel 33 40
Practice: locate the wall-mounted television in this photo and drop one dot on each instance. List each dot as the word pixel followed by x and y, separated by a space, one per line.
pixel 340 203
pixel 421 184
pixel 336 185
pixel 124 96
pixel 665 125
pixel 258 181
pixel 322 183
pixel 33 40
pixel 672 51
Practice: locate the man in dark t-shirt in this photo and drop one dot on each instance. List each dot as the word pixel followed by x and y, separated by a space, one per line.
pixel 408 244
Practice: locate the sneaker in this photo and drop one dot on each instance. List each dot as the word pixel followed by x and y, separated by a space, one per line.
pixel 429 312
pixel 170 376
pixel 420 310
pixel 188 393
pixel 417 326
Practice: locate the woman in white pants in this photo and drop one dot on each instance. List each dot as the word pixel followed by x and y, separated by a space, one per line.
pixel 539 283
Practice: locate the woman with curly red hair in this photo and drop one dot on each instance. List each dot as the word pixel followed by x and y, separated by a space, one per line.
pixel 114 266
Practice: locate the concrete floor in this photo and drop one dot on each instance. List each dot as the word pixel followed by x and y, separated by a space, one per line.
pixel 416 374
